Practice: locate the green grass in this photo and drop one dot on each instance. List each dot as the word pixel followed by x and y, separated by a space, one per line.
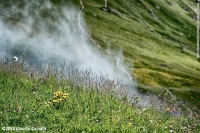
pixel 140 45
pixel 147 49
pixel 24 105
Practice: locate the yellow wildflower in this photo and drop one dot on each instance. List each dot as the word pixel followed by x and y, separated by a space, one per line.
pixel 55 93
pixel 38 99
pixel 58 93
pixel 59 100
pixel 168 109
pixel 59 96
pixel 47 105
pixel 55 101
pixel 64 97
pixel 65 94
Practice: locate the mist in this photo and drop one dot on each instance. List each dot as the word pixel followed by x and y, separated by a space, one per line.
pixel 49 33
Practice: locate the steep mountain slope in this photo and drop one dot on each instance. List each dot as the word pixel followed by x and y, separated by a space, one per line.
pixel 157 39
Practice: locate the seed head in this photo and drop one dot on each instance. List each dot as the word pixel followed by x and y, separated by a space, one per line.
pixel 15 58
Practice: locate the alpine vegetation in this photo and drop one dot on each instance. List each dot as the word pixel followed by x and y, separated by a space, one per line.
pixel 79 102
pixel 49 33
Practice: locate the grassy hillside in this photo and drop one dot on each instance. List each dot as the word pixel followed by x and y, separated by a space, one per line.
pixel 152 35
pixel 157 39
pixel 34 103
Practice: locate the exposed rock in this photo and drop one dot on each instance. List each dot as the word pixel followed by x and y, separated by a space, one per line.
pixel 110 10
pixel 185 8
pixel 166 65
pixel 151 11
pixel 96 15
pixel 104 9
pixel 167 39
pixel 194 16
pixel 182 49
pixel 157 7
pixel 170 3
pixel 134 67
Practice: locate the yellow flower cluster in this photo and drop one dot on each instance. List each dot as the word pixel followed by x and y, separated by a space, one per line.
pixel 58 98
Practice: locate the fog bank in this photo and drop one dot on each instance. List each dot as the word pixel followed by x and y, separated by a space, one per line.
pixel 49 33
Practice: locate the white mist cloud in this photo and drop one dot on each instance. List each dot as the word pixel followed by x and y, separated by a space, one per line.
pixel 48 32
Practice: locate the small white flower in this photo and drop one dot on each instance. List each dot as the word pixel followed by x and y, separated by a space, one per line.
pixel 144 109
pixel 15 58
